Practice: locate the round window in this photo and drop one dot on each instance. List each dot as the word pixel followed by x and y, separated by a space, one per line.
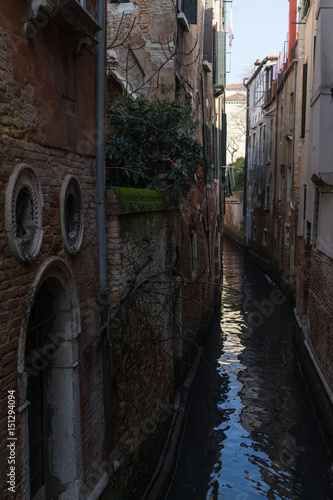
pixel 71 208
pixel 24 203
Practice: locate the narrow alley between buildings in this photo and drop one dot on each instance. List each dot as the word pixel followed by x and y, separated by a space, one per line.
pixel 251 430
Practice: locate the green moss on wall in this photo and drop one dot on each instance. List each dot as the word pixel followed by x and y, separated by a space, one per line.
pixel 132 200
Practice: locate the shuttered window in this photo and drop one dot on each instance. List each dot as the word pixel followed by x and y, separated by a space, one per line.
pixel 304 92
pixel 190 9
pixel 208 32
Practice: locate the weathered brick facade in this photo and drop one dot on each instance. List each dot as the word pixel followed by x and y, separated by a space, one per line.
pixel 47 103
pixel 289 226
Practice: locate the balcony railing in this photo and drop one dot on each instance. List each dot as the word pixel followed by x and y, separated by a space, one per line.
pixel 270 92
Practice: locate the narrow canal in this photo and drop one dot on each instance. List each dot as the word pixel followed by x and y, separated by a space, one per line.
pixel 251 430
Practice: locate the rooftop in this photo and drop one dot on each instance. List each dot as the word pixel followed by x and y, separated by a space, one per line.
pixel 235 86
pixel 236 97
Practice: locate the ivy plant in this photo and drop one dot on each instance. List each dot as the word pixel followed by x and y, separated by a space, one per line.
pixel 151 144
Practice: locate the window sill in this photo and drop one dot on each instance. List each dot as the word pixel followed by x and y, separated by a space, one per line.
pixel 183 21
pixel 207 66
pixel 71 16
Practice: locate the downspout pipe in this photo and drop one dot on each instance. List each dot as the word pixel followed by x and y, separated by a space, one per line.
pixel 294 205
pixel 246 214
pixel 293 138
pixel 100 152
pixel 103 294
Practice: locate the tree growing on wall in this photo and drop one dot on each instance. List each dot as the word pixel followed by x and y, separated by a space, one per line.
pixel 150 140
pixel 151 144
pixel 239 166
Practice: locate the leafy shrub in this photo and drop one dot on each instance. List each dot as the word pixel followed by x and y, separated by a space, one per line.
pixel 146 137
pixel 239 166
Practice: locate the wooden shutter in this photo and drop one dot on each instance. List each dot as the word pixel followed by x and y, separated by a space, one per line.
pixel 190 9
pixel 208 32
pixel 304 93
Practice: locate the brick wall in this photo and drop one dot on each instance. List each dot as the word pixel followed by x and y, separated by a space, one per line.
pixel 143 342
pixel 144 379
pixel 37 77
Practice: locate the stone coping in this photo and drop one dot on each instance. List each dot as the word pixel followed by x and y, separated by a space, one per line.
pixel 125 200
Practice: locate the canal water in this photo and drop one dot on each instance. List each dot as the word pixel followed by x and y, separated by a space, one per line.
pixel 251 430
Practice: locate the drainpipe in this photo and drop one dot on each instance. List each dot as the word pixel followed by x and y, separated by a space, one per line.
pixel 246 214
pixel 100 153
pixel 103 294
pixel 294 205
pixel 293 137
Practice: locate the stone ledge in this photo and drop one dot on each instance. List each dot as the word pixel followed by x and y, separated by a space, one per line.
pixel 132 200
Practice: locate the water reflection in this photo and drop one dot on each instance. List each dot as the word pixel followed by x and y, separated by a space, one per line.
pixel 251 431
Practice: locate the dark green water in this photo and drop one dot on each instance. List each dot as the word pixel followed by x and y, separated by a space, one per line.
pixel 251 431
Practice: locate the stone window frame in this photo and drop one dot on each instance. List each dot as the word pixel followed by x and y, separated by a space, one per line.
pixel 24 213
pixel 265 237
pixel 71 188
pixel 287 235
pixel 65 357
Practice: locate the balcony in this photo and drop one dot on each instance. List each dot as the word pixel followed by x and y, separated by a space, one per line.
pixel 71 15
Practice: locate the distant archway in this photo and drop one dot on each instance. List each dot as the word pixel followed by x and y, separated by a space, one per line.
pixel 48 369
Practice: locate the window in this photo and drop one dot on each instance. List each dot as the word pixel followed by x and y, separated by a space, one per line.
pixel 304 92
pixel 304 206
pixel 267 197
pixel 208 32
pixel 215 144
pixel 314 51
pixel 209 251
pixel 265 237
pixel 316 216
pixel 23 214
pixel 255 233
pixel 281 183
pixel 260 146
pixel 189 8
pixel 288 183
pixel 291 113
pixel 250 151
pixel 270 139
pixel 71 15
pixel 281 123
pixel 287 235
pixel 194 252
pixel 254 159
pixel 308 233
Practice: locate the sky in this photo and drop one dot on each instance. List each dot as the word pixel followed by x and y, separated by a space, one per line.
pixel 260 29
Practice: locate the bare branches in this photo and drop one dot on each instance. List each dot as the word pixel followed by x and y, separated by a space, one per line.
pixel 168 49
pixel 143 327
pixel 117 41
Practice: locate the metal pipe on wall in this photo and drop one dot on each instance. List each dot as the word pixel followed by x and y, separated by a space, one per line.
pixel 100 153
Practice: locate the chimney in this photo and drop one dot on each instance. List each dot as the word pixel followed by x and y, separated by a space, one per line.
pixel 292 26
